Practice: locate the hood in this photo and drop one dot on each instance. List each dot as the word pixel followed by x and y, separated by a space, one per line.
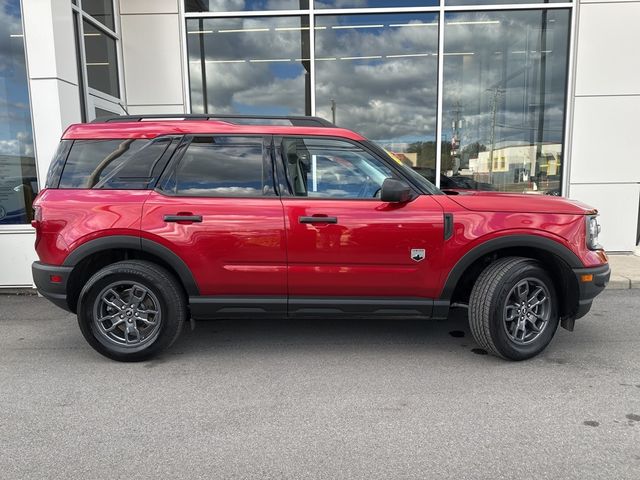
pixel 480 201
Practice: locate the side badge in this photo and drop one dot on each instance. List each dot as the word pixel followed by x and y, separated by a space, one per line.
pixel 418 254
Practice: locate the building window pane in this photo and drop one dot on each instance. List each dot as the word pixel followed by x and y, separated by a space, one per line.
pixel 243 5
pixel 101 10
pixel 18 181
pixel 102 61
pixel 249 65
pixel 505 77
pixel 377 74
pixel 374 3
pixel 498 2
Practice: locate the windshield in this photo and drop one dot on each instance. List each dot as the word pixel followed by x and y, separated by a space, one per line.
pixel 425 184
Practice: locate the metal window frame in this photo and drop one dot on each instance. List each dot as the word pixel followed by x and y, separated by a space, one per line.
pixel 92 96
pixel 441 10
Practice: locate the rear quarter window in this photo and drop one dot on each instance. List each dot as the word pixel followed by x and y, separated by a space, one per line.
pixel 112 164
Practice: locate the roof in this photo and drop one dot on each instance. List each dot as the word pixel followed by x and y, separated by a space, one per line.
pixel 153 128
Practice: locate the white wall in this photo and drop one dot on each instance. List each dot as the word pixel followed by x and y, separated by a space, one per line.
pixel 152 54
pixel 605 163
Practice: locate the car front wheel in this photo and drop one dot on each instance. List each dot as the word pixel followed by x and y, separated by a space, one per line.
pixel 131 310
pixel 513 310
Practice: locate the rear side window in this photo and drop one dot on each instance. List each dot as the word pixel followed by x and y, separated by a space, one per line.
pixel 91 161
pixel 112 164
pixel 220 167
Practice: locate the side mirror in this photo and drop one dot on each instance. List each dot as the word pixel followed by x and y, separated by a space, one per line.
pixel 395 191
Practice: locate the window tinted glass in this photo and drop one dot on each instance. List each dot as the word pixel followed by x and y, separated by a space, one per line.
pixel 332 169
pixel 241 5
pixel 101 10
pixel 220 167
pixel 136 172
pixel 92 161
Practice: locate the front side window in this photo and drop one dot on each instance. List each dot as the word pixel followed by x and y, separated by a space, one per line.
pixel 220 167
pixel 321 168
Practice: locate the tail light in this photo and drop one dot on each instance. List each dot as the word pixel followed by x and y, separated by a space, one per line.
pixel 37 216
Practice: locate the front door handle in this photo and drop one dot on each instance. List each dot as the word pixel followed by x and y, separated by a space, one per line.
pixel 318 219
pixel 183 218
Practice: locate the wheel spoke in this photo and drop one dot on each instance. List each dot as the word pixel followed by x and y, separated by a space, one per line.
pixel 535 294
pixel 108 317
pixel 138 295
pixel 146 320
pixel 534 326
pixel 523 290
pixel 114 325
pixel 131 329
pixel 115 301
pixel 512 313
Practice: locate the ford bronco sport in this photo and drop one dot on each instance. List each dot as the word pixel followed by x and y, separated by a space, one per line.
pixel 147 222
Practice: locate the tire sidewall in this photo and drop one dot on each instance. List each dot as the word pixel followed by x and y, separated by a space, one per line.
pixel 170 314
pixel 507 347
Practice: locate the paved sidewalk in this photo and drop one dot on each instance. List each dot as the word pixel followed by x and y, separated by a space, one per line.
pixel 625 271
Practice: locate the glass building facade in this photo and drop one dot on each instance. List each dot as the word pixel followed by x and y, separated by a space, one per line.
pixel 472 94
pixel 18 178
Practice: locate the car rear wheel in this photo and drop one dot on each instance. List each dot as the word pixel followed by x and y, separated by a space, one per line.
pixel 131 310
pixel 513 309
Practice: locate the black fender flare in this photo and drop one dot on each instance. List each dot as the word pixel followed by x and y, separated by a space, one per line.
pixel 507 241
pixel 136 243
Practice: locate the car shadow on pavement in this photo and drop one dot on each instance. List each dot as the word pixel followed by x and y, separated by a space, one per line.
pixel 287 334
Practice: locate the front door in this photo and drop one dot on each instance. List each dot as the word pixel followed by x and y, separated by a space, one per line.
pixel 348 251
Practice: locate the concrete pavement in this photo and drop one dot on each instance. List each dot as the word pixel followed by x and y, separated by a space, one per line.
pixel 625 271
pixel 324 399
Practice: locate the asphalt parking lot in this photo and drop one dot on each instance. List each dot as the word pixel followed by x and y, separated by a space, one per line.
pixel 302 400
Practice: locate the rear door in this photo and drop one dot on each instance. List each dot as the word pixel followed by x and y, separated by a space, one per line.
pixel 349 251
pixel 216 207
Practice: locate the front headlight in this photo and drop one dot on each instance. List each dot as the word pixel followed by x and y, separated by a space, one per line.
pixel 593 230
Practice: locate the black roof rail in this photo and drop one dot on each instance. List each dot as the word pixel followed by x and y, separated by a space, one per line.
pixel 297 121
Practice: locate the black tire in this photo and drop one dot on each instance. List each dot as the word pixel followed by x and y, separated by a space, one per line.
pixel 495 300
pixel 164 296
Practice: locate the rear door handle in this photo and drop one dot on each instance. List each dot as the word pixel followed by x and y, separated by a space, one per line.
pixel 183 218
pixel 318 219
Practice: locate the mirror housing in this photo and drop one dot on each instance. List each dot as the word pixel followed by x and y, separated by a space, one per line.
pixel 395 191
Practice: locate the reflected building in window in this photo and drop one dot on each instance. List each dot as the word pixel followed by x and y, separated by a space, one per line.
pixel 18 178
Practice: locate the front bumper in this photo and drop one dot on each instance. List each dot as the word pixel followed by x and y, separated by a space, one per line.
pixel 51 281
pixel 588 290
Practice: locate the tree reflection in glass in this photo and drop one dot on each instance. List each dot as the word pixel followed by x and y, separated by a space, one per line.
pixel 505 77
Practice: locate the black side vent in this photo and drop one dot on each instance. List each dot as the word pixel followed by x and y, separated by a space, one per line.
pixel 448 226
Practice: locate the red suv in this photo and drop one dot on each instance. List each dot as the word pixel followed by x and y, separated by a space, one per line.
pixel 146 222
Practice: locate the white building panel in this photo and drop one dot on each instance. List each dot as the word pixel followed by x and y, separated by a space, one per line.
pixel 618 207
pixel 152 59
pixel 608 62
pixel 148 6
pixel 605 137
pixel 17 256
